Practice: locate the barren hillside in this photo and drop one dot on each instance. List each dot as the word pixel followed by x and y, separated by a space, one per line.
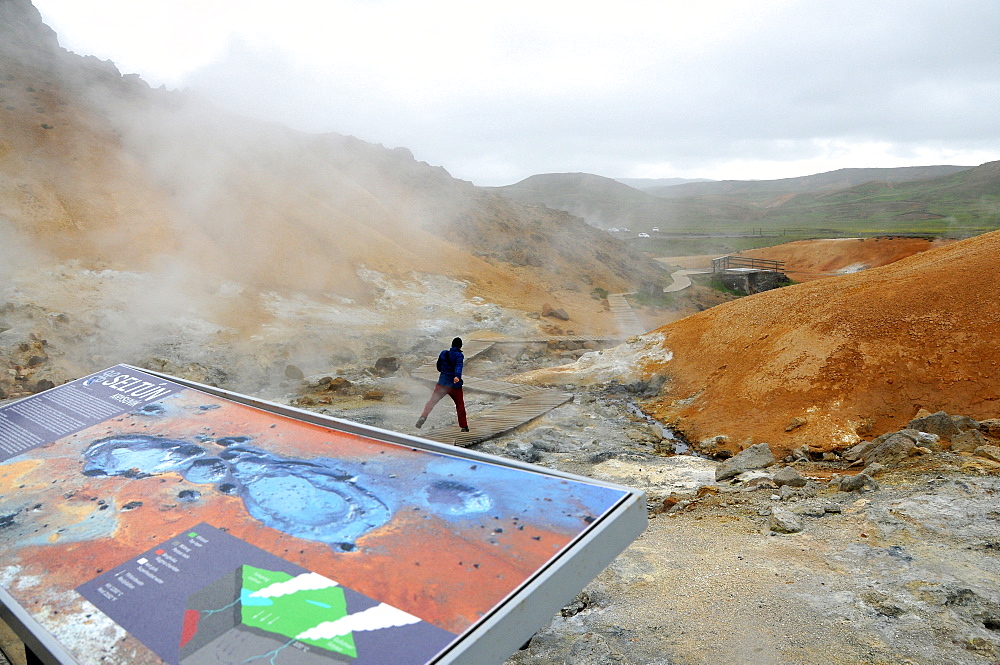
pixel 823 363
pixel 813 259
pixel 850 356
pixel 100 168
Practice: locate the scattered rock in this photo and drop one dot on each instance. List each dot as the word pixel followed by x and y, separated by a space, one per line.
pixel 522 450
pixel 965 423
pixel 795 423
pixel 757 456
pixel 892 450
pixel 967 441
pixel 551 312
pixel 857 452
pixel 338 384
pixel 939 423
pixel 857 483
pixel 784 521
pixel 925 439
pixel 989 452
pixel 712 444
pixel 42 385
pixel 386 366
pixel 374 395
pixel 789 476
pixel 801 453
pixel 579 604
pixel 811 510
pixel 873 469
pixel 990 427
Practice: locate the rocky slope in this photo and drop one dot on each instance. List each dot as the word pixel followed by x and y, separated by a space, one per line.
pixel 135 218
pixel 99 167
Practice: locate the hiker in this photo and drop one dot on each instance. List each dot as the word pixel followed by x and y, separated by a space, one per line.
pixel 449 363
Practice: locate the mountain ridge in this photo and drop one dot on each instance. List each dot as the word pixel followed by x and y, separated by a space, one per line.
pixel 887 200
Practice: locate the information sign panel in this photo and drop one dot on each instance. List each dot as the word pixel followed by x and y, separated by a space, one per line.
pixel 148 519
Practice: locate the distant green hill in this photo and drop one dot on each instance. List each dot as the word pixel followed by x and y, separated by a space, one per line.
pixel 955 200
pixel 819 182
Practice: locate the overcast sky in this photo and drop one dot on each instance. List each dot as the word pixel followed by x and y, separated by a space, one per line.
pixel 497 91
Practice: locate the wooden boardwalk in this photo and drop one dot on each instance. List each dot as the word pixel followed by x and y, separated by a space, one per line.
pixel 625 317
pixel 530 401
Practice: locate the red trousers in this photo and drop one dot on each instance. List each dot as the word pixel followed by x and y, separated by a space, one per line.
pixel 456 396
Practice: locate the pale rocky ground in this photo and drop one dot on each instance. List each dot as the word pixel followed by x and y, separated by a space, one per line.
pixel 907 573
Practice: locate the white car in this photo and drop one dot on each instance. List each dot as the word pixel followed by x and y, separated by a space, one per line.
pixel 643 235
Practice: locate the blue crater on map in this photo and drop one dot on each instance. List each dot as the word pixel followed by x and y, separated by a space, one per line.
pixel 450 497
pixel 310 499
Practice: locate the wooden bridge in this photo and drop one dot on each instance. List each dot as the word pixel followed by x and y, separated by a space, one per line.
pixel 724 263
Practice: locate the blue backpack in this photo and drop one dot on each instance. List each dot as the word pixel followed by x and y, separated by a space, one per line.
pixel 444 362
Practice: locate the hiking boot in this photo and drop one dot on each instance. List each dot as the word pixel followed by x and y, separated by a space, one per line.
pixel 420 422
pixel 465 429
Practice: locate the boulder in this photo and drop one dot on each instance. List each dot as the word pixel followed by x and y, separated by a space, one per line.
pixel 989 452
pixel 873 469
pixel 965 422
pixel 552 312
pixel 374 395
pixel 939 423
pixel 386 366
pixel 42 385
pixel 924 439
pixel 967 442
pixel 857 483
pixel 294 373
pixel 754 457
pixel 990 427
pixel 801 453
pixel 892 450
pixel 861 449
pixel 785 521
pixel 338 384
pixel 712 444
pixel 789 476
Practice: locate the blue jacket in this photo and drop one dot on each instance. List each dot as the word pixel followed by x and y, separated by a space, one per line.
pixel 450 363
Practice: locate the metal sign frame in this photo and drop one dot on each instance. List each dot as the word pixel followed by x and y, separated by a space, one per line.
pixel 511 622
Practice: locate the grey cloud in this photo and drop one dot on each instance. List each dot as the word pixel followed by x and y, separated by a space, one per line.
pixel 907 73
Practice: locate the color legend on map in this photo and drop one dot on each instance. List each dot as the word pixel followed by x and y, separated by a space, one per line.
pixel 206 597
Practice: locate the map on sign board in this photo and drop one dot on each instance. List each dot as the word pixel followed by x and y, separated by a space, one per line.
pixel 179 523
